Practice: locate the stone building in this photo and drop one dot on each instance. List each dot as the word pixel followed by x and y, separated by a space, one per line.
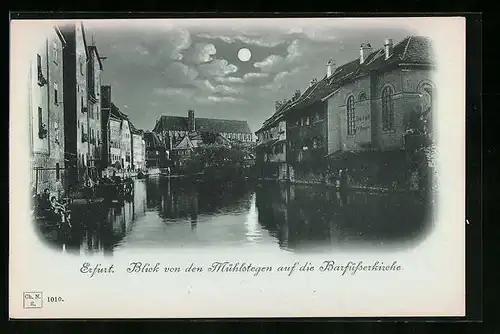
pixel 372 107
pixel 47 122
pixel 155 151
pixel 94 69
pixel 271 150
pixel 184 131
pixel 138 149
pixel 75 100
pixel 359 115
pixel 126 144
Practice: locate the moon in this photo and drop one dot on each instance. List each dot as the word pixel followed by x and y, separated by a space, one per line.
pixel 244 54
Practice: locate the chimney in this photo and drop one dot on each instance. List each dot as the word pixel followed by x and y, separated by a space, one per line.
pixel 106 96
pixel 277 104
pixel 191 125
pixel 364 51
pixel 296 95
pixel 330 68
pixel 388 48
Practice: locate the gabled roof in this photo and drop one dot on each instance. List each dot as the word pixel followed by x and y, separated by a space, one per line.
pixel 184 144
pixel 84 40
pixel 117 113
pixel 411 50
pixel 60 35
pixel 214 125
pixel 93 48
pixel 152 139
pixel 134 130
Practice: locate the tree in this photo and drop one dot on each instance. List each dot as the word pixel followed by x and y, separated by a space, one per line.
pixel 219 161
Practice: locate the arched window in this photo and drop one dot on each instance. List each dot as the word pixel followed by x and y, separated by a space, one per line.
pixel 362 96
pixel 387 109
pixel 351 123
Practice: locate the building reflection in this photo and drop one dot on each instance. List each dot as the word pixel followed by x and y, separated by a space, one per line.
pixel 99 228
pixel 168 212
pixel 176 200
pixel 301 216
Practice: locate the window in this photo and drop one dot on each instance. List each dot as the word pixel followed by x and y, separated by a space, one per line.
pixel 387 109
pixel 41 78
pixel 58 172
pixel 56 53
pixel 40 118
pixel 81 67
pixel 39 63
pixel 81 104
pixel 279 148
pixel 56 97
pixel 351 123
pixel 362 96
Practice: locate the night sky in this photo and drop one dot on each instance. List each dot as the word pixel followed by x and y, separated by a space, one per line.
pixel 169 67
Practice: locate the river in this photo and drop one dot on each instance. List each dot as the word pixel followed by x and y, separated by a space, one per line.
pixel 169 214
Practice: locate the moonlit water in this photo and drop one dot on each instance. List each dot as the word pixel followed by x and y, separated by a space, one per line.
pixel 168 214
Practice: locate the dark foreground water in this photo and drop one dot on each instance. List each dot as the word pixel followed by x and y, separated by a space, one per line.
pixel 169 214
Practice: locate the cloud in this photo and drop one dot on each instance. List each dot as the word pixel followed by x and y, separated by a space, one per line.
pixel 211 99
pixel 318 33
pixel 201 53
pixel 218 68
pixel 254 75
pixel 180 75
pixel 270 64
pixel 207 86
pixel 284 79
pixel 229 79
pixel 297 52
pixel 259 39
pixel 174 92
pixel 142 50
pixel 180 42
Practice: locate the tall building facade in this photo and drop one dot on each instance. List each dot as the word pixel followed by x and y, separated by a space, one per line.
pixel 47 122
pixel 363 116
pixel 75 100
pixel 94 69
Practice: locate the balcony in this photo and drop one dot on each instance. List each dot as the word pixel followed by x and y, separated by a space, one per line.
pixel 313 154
pixel 315 129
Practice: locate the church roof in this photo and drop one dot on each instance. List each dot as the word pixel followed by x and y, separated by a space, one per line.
pixel 214 125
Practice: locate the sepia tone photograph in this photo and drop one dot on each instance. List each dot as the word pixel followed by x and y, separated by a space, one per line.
pixel 316 145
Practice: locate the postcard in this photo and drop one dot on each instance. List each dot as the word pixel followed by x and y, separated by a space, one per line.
pixel 236 168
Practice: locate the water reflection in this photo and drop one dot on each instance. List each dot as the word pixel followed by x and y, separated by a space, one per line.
pixel 170 213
